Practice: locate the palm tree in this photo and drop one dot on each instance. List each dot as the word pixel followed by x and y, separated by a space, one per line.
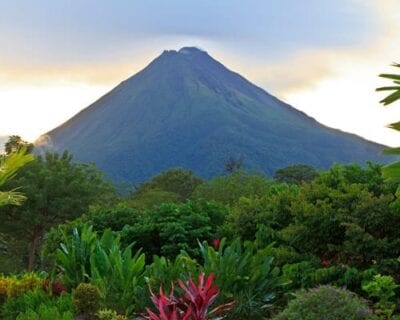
pixel 9 165
pixel 392 170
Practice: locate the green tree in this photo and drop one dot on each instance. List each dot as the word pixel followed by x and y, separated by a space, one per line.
pixel 347 214
pixel 296 174
pixel 233 164
pixel 171 228
pixel 229 189
pixel 57 190
pixel 174 185
pixel 15 143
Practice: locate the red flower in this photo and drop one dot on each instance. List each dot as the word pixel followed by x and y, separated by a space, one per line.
pixel 216 243
pixel 325 263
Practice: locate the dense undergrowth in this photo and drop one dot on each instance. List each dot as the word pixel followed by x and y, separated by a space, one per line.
pixel 325 242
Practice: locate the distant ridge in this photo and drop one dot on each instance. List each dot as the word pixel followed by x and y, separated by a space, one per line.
pixel 186 109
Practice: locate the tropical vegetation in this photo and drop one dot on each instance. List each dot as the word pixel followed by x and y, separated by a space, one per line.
pixel 305 244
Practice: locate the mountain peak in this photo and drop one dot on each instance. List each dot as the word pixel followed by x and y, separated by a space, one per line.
pixel 191 50
pixel 188 110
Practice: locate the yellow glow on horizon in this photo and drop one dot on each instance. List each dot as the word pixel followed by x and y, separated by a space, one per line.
pixel 30 111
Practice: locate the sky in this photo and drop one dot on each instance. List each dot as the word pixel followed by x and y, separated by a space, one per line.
pixel 322 57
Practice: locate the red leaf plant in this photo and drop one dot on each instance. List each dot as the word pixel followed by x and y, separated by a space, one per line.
pixel 192 305
pixel 216 243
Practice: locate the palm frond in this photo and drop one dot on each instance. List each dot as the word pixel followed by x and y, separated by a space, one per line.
pixel 10 164
pixel 394 96
pixel 11 198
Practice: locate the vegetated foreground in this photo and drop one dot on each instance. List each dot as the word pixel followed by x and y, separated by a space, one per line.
pixel 307 244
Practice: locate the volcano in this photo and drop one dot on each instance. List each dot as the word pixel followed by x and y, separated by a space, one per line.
pixel 185 109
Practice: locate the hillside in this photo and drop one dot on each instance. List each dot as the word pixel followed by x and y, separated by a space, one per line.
pixel 186 109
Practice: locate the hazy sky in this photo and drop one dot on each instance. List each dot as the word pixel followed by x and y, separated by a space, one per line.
pixel 323 57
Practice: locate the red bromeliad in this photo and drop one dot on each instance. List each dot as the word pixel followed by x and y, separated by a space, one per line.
pixel 216 243
pixel 193 305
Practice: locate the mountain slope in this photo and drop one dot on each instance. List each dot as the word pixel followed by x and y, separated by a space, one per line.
pixel 186 109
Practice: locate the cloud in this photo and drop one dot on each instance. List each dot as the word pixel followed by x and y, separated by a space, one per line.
pixel 322 57
pixel 338 86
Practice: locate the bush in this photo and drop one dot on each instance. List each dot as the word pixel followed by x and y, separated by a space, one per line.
pixel 171 228
pixel 106 314
pixel 87 299
pixel 45 313
pixel 15 286
pixel 383 290
pixel 37 304
pixel 325 302
pixel 244 273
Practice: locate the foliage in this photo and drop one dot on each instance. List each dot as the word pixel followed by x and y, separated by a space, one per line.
pixel 244 273
pixel 273 209
pixel 193 304
pixel 14 286
pixel 45 313
pixel 9 166
pixel 113 218
pixel 392 171
pixel 171 228
pixel 85 257
pixel 163 272
pixel 73 256
pixel 37 303
pixel 296 174
pixel 16 144
pixel 57 190
pixel 347 214
pixel 229 189
pixel 177 181
pixel 117 273
pixel 382 289
pixel 396 88
pixel 325 302
pixel 106 314
pixel 87 299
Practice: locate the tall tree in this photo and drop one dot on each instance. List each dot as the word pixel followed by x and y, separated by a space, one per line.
pixel 57 190
pixel 296 174
pixel 178 181
pixel 16 143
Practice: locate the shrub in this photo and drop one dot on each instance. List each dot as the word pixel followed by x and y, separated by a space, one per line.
pixel 245 273
pixel 117 272
pixel 29 304
pixel 325 302
pixel 86 257
pixel 171 228
pixel 45 313
pixel 382 289
pixel 87 299
pixel 73 256
pixel 15 286
pixel 106 314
